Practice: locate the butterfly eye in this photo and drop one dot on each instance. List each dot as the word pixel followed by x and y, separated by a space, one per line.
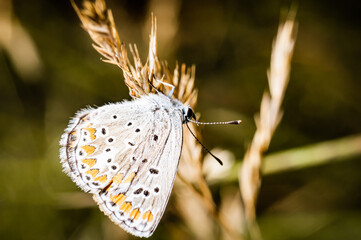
pixel 190 114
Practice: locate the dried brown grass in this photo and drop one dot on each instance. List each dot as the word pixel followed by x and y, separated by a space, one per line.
pixel 19 45
pixel 268 119
pixel 98 21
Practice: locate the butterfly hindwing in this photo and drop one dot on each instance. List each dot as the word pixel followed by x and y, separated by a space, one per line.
pixel 95 138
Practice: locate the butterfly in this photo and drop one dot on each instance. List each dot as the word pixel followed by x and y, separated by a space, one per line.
pixel 126 154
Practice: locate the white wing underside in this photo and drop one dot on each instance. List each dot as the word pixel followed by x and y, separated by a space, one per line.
pixel 127 155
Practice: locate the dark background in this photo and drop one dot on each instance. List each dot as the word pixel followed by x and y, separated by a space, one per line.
pixel 230 43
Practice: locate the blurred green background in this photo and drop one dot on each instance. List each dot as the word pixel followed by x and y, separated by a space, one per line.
pixel 48 71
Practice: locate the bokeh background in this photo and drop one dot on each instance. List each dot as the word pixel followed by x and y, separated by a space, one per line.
pixel 48 71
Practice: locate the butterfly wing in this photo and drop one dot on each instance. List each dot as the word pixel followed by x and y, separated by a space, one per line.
pixel 96 140
pixel 127 155
pixel 139 207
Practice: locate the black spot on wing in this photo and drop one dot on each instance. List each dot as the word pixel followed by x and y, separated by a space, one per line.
pixel 153 171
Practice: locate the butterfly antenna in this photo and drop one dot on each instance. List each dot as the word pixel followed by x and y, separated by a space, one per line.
pixel 170 94
pixel 236 122
pixel 151 84
pixel 218 160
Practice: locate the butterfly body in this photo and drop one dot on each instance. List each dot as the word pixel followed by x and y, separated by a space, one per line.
pixel 126 154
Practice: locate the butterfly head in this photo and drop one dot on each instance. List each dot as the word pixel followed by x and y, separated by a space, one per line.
pixel 188 114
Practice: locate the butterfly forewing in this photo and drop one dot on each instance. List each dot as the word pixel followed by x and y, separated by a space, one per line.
pixel 127 155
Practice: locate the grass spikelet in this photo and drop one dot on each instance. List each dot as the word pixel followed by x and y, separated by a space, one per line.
pixel 269 117
pixel 98 21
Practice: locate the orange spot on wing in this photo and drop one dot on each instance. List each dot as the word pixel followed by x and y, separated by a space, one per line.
pixel 145 215
pixel 90 162
pixel 148 216
pixel 101 179
pixel 91 131
pixel 129 178
pixel 92 172
pixel 134 214
pixel 118 178
pixel 118 199
pixel 88 149
pixel 126 207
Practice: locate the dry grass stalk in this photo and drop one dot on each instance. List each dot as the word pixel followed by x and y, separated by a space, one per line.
pixel 18 44
pixel 268 119
pixel 98 21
